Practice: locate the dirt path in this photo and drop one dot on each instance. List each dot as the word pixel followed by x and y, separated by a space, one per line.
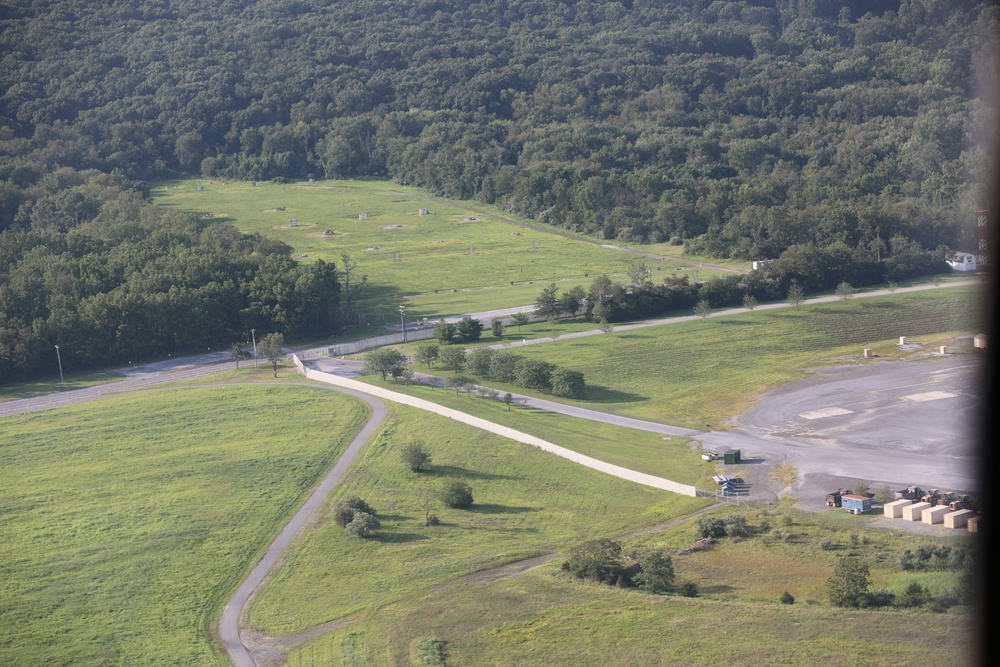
pixel 235 643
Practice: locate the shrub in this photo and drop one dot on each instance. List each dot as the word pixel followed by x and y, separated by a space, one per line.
pixel 534 374
pixel 345 508
pixel 711 526
pixel 598 560
pixel 915 595
pixel 362 525
pixel 849 584
pixel 735 525
pixel 415 456
pixel 656 572
pixel 457 494
pixel 689 589
pixel 786 598
pixel 568 384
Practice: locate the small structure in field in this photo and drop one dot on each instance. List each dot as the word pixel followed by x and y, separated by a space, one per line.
pixel 958 519
pixel 935 514
pixel 422 211
pixel 979 340
pixel 855 504
pixel 914 511
pixel 731 457
pixel 362 216
pixel 894 510
pixel 973 524
pixel 961 261
pixel 293 223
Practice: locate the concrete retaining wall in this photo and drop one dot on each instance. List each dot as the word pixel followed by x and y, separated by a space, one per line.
pixel 404 399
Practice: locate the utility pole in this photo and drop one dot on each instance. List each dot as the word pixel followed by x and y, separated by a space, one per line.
pixel 59 359
pixel 253 332
pixel 402 321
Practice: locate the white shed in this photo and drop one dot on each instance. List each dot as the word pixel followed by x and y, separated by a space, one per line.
pixel 958 519
pixel 894 510
pixel 935 514
pixel 913 512
pixel 961 261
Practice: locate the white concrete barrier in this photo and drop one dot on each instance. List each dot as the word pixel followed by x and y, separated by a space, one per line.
pixel 506 432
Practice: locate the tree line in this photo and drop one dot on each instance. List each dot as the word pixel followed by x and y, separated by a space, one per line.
pixel 129 281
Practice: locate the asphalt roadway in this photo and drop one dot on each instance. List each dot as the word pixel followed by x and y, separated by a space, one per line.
pixel 897 423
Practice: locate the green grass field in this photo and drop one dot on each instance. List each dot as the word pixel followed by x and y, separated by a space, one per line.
pixel 527 503
pixel 433 250
pixel 543 617
pixel 701 373
pixel 130 520
pixel 671 457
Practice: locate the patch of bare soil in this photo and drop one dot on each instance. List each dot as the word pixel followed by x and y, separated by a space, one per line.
pixel 269 651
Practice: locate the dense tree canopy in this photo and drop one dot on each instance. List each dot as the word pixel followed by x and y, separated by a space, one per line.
pixel 848 133
pixel 129 281
pixel 740 127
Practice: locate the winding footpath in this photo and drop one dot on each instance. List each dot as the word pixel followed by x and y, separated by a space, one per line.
pixel 229 625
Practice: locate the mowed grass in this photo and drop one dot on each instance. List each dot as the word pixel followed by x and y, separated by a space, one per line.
pixel 544 617
pixel 702 373
pixel 433 250
pixel 128 521
pixel 670 457
pixel 527 503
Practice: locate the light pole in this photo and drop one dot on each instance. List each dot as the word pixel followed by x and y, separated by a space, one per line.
pixel 253 332
pixel 402 322
pixel 59 359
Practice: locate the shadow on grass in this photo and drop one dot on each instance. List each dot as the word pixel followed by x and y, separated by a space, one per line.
pixel 715 590
pixel 493 508
pixel 465 473
pixel 398 538
pixel 599 394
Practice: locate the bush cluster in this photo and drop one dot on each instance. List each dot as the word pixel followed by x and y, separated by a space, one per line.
pixel 355 516
pixel 511 368
pixel 604 561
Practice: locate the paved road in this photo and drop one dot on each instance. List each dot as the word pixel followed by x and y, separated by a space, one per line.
pixel 229 625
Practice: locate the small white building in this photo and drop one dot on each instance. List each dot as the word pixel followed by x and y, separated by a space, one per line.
pixel 894 510
pixel 961 261
pixel 913 512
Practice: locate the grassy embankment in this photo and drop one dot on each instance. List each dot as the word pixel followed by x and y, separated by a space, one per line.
pixel 130 520
pixel 701 373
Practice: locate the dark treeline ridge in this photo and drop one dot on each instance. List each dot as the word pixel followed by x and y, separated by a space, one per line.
pixel 736 128
pixel 131 281
pixel 846 137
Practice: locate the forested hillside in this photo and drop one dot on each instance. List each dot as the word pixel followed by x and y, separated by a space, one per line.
pixel 744 127
pixel 853 129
